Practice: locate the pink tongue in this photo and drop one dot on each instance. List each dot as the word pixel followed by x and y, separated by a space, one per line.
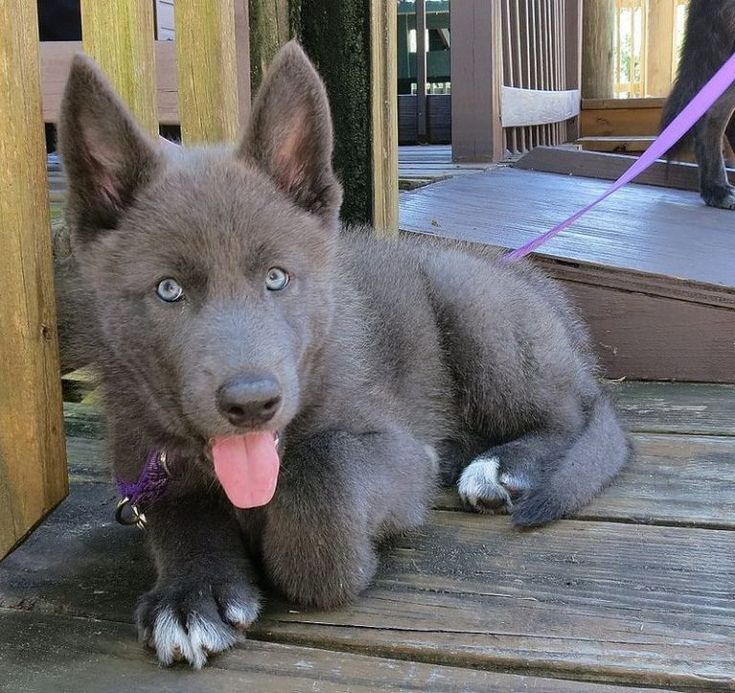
pixel 247 468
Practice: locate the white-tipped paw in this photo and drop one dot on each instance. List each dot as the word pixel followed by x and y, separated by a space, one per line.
pixel 190 622
pixel 480 487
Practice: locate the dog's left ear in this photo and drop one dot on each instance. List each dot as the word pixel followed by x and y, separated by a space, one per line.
pixel 290 133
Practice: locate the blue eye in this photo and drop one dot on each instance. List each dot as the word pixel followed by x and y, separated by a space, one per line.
pixel 276 279
pixel 169 290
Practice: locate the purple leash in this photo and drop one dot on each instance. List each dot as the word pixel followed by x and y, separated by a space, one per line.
pixel 675 131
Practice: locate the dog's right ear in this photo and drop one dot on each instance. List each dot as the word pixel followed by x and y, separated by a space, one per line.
pixel 107 157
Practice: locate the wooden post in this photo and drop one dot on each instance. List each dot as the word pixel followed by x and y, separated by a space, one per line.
pixel 207 57
pixel 421 71
pixel 270 28
pixel 477 75
pixel 33 476
pixel 659 48
pixel 353 44
pixel 384 110
pixel 573 58
pixel 598 28
pixel 119 36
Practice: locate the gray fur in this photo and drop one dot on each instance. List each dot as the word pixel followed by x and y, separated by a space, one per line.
pixel 387 354
pixel 709 40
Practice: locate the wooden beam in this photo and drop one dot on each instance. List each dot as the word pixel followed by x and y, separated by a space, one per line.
pixel 119 36
pixel 573 57
pixel 32 460
pixel 270 28
pixel 421 48
pixel 659 48
pixel 598 27
pixel 384 115
pixel 207 51
pixel 56 59
pixel 477 75
pixel 620 117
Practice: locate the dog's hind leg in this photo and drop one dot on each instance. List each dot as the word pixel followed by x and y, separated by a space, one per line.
pixel 708 134
pixel 337 495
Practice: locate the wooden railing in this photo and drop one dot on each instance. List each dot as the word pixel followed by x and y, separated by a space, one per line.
pixel 515 75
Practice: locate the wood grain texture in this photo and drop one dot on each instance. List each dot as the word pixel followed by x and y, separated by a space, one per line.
pixel 32 461
pixel 590 600
pixel 677 175
pixel 119 36
pixel 582 600
pixel 618 120
pixel 384 115
pixel 696 408
pixel 658 75
pixel 43 653
pixel 648 337
pixel 477 74
pixel 269 30
pixel 206 47
pixel 56 59
pixel 598 29
pixel 673 480
pixel 645 230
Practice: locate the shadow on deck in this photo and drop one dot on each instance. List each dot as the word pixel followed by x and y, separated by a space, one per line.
pixel 636 591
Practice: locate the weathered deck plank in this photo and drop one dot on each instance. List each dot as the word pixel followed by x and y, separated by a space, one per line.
pixel 696 408
pixel 673 480
pixel 591 600
pixel 585 600
pixel 648 230
pixel 39 652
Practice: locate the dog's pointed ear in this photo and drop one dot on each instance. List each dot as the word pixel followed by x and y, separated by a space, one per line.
pixel 107 157
pixel 290 133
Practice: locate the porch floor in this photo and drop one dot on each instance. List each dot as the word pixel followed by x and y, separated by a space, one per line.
pixel 635 591
pixel 651 268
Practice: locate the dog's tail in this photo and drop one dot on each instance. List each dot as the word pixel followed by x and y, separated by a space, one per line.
pixel 595 457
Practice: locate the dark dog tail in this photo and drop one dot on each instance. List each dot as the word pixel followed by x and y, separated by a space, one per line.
pixel 595 457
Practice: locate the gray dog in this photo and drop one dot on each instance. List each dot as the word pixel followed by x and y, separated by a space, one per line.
pixel 709 40
pixel 304 388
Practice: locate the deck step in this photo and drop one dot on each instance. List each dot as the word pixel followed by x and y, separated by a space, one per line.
pixel 652 269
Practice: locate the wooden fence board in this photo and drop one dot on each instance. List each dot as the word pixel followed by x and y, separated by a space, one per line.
pixel 119 36
pixel 32 461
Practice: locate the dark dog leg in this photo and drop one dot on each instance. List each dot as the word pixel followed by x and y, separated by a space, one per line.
pixel 339 493
pixel 204 593
pixel 708 134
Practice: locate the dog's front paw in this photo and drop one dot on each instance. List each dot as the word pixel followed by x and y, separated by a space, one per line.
pixel 191 619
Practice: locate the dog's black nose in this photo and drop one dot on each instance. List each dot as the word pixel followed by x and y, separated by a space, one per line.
pixel 249 400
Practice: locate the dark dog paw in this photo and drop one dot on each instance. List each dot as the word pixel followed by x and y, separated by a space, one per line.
pixel 187 620
pixel 722 198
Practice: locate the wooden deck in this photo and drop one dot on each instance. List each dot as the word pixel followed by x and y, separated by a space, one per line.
pixel 636 591
pixel 652 268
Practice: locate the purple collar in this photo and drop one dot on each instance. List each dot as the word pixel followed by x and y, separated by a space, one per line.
pixel 151 485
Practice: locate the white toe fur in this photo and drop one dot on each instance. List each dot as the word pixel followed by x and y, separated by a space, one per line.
pixel 479 483
pixel 173 642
